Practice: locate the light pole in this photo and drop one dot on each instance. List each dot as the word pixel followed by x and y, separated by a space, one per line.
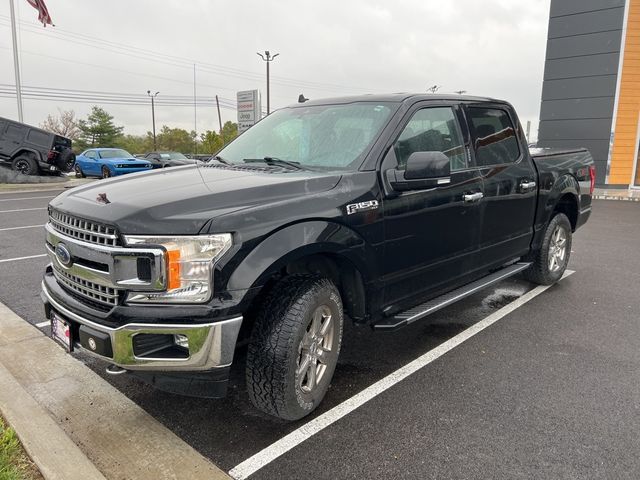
pixel 153 116
pixel 267 57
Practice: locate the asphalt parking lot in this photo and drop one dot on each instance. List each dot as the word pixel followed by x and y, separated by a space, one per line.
pixel 552 390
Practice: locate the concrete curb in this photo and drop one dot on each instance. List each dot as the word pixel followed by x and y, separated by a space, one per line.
pixel 42 187
pixel 49 447
pixel 106 434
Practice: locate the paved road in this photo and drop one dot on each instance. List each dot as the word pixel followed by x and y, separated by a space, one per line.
pixel 550 391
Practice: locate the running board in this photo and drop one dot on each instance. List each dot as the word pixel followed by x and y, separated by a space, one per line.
pixel 420 311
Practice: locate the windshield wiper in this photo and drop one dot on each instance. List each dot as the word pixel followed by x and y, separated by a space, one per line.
pixel 275 161
pixel 221 160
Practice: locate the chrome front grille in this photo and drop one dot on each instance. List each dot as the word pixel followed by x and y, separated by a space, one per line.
pixel 84 230
pixel 93 291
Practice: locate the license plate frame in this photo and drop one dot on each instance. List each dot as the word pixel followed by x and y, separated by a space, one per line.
pixel 61 332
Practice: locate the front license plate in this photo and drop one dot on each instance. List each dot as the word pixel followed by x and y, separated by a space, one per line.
pixel 61 332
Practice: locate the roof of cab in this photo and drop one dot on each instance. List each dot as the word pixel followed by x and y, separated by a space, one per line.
pixel 396 98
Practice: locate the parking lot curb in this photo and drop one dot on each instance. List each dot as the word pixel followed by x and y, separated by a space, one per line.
pixel 42 187
pixel 76 425
pixel 55 455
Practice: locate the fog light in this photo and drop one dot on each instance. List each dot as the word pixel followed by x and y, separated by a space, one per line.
pixel 181 341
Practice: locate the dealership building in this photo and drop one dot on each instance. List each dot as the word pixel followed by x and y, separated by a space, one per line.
pixel 591 90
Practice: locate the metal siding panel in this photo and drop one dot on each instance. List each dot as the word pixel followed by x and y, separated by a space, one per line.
pixel 591 44
pixel 584 87
pixel 605 64
pixel 599 129
pixel 569 7
pixel 577 108
pixel 589 22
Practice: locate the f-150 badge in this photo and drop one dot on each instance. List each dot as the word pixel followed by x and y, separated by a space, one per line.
pixel 362 207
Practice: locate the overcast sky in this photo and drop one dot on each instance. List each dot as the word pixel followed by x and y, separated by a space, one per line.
pixel 327 48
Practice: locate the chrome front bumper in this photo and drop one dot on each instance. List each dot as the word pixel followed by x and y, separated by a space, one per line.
pixel 211 345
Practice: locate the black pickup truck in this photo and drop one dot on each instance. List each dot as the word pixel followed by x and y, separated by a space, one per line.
pixel 381 209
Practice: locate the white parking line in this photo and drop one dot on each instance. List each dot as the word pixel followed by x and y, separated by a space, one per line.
pixel 23 198
pixel 22 258
pixel 22 210
pixel 43 324
pixel 306 431
pixel 19 228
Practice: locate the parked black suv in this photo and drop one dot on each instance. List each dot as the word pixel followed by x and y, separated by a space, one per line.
pixel 380 209
pixel 33 151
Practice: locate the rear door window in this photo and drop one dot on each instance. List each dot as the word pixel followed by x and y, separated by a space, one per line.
pixel 494 136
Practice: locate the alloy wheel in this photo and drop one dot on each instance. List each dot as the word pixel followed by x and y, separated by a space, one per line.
pixel 557 249
pixel 315 350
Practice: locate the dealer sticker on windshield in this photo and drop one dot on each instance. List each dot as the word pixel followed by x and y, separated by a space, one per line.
pixel 362 206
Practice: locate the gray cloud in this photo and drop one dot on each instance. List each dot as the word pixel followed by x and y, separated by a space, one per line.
pixel 328 48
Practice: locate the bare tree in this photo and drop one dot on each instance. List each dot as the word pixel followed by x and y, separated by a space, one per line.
pixel 65 124
pixel 434 88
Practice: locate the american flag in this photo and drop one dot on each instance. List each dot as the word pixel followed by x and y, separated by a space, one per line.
pixel 43 13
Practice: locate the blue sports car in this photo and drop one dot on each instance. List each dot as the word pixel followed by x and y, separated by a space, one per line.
pixel 108 162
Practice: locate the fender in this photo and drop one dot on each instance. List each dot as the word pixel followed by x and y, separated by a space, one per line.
pixel 552 188
pixel 297 241
pixel 29 150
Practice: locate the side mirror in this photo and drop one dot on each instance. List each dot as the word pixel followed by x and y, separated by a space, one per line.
pixel 423 165
pixel 423 170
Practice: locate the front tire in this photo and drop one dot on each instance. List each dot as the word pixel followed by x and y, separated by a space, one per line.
pixel 79 172
pixel 551 260
pixel 106 173
pixel 294 346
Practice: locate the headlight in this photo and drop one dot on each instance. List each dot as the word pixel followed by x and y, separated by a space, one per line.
pixel 189 261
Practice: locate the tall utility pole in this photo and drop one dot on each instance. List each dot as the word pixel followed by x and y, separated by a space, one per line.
pixel 16 61
pixel 267 57
pixel 153 117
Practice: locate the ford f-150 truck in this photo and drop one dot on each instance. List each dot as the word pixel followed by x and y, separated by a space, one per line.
pixel 381 209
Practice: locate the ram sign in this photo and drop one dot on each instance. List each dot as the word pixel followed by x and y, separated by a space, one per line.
pixel 249 109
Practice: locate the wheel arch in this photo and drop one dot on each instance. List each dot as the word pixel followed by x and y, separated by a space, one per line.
pixel 312 247
pixel 28 152
pixel 563 197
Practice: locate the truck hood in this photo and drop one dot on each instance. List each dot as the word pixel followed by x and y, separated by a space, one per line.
pixel 181 200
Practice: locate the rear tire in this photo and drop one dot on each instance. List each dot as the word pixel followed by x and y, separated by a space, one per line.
pixel 294 346
pixel 106 173
pixel 551 260
pixel 25 165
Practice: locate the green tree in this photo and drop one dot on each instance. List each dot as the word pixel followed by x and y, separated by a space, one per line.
pixel 229 131
pixel 211 142
pixel 175 139
pixel 136 143
pixel 98 130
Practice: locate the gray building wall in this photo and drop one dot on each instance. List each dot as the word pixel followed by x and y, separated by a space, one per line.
pixel 580 76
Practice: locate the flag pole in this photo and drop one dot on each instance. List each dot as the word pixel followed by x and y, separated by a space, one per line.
pixel 16 61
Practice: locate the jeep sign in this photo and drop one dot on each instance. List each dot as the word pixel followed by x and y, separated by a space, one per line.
pixel 249 109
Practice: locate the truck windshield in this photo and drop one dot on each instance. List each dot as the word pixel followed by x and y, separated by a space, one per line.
pixel 317 136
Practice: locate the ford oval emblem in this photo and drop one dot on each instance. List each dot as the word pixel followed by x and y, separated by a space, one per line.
pixel 63 255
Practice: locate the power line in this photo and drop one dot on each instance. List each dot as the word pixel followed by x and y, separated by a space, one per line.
pixel 175 61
